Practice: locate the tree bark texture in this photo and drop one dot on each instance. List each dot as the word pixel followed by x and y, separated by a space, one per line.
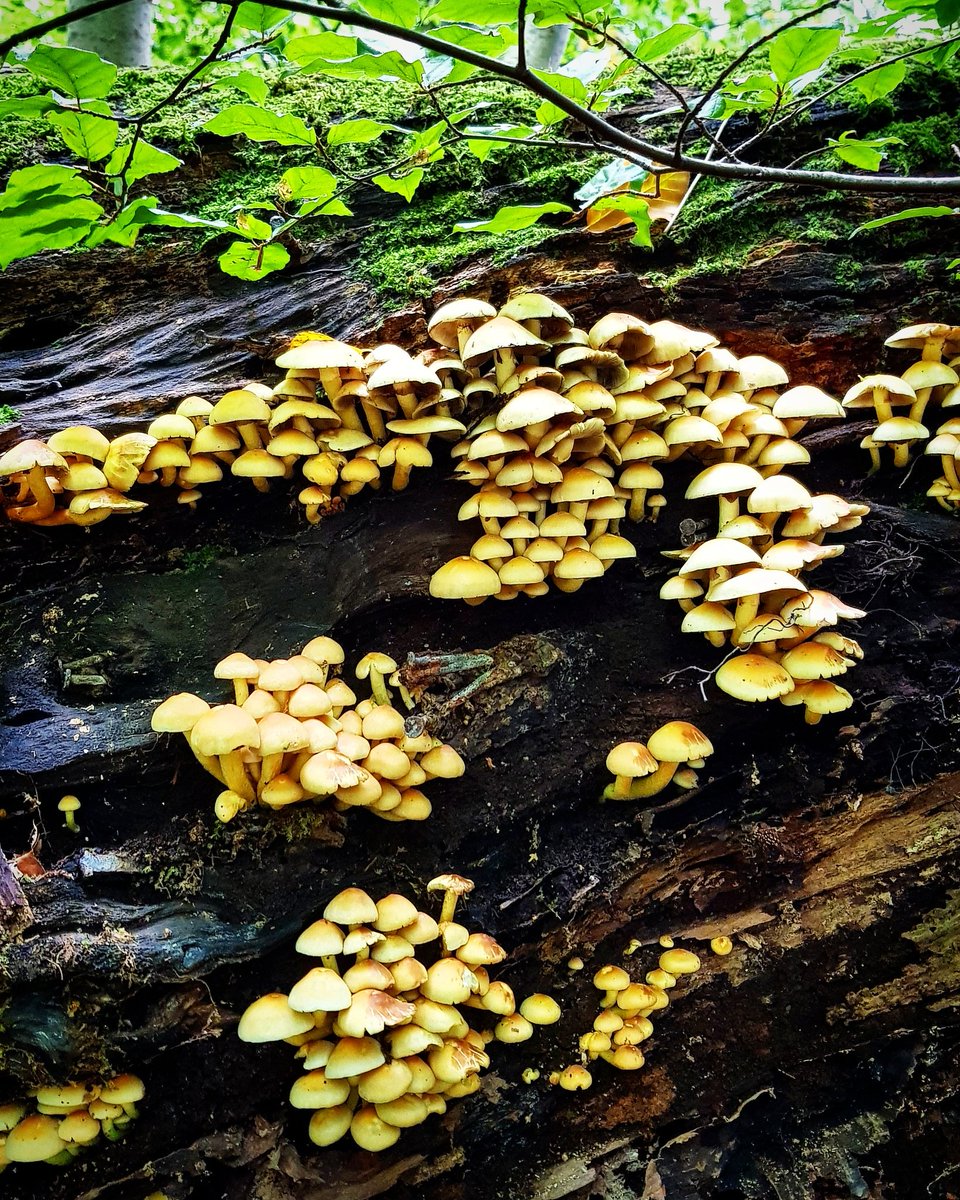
pixel 818 1060
pixel 123 35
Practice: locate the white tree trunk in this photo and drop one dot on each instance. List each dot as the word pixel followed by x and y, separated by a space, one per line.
pixel 545 46
pixel 122 35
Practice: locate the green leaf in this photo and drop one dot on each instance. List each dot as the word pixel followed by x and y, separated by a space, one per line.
pixel 76 73
pixel 43 222
pixel 636 208
pixel 320 45
pixel 251 84
pixel 259 17
pixel 866 153
pixel 795 52
pixel 146 160
pixel 360 130
pixel 548 113
pixel 26 107
pixel 483 149
pixel 908 214
pixel 483 41
pixel 405 186
pixel 511 217
pixel 325 206
pixel 244 261
pixel 253 228
pixel 125 226
pixel 880 82
pixel 172 220
pixel 88 136
pixel 261 125
pixel 390 65
pixel 397 12
pixel 491 12
pixel 652 48
pixel 610 177
pixel 306 183
pixel 43 180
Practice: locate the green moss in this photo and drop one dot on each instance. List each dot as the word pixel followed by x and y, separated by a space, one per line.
pixel 927 143
pixel 8 415
pixel 405 256
pixel 847 272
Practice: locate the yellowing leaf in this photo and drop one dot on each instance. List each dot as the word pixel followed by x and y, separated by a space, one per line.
pixel 662 202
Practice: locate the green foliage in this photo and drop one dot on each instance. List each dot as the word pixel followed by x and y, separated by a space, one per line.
pixel 110 130
pixel 8 415
pixel 512 217
pixel 866 153
pixel 909 214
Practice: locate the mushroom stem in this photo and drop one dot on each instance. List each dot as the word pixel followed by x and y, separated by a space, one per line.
pixel 649 785
pixel 754 450
pixel 871 446
pixel 882 405
pixel 638 498
pixel 378 431
pixel 270 766
pixel 811 717
pixel 619 789
pixel 406 398
pixel 449 906
pixel 44 500
pixel 932 350
pixel 506 364
pixel 747 609
pixel 241 690
pixel 401 475
pixel 918 406
pixel 729 511
pixel 235 777
pixel 378 686
pixel 949 464
pixel 251 435
pixel 901 454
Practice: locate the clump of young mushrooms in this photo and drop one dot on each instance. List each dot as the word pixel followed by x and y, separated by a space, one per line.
pixel 384 1023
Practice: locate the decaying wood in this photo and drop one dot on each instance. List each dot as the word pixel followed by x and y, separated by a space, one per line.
pixel 819 1059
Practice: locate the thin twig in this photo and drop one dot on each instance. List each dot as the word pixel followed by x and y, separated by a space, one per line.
pixel 742 58
pixel 656 75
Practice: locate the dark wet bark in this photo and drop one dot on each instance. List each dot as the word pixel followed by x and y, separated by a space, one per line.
pixel 819 1059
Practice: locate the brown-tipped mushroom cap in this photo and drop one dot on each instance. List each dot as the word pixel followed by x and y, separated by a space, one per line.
pixel 753 677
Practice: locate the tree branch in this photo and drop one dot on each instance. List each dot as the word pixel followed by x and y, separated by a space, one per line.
pixel 608 136
pixel 522 35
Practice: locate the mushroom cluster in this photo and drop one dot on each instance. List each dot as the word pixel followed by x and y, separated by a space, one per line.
pixel 581 422
pixel 296 731
pixel 343 416
pixel 745 585
pixel 674 752
pixel 625 1017
pixel 60 1121
pixel 381 1024
pixel 928 380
